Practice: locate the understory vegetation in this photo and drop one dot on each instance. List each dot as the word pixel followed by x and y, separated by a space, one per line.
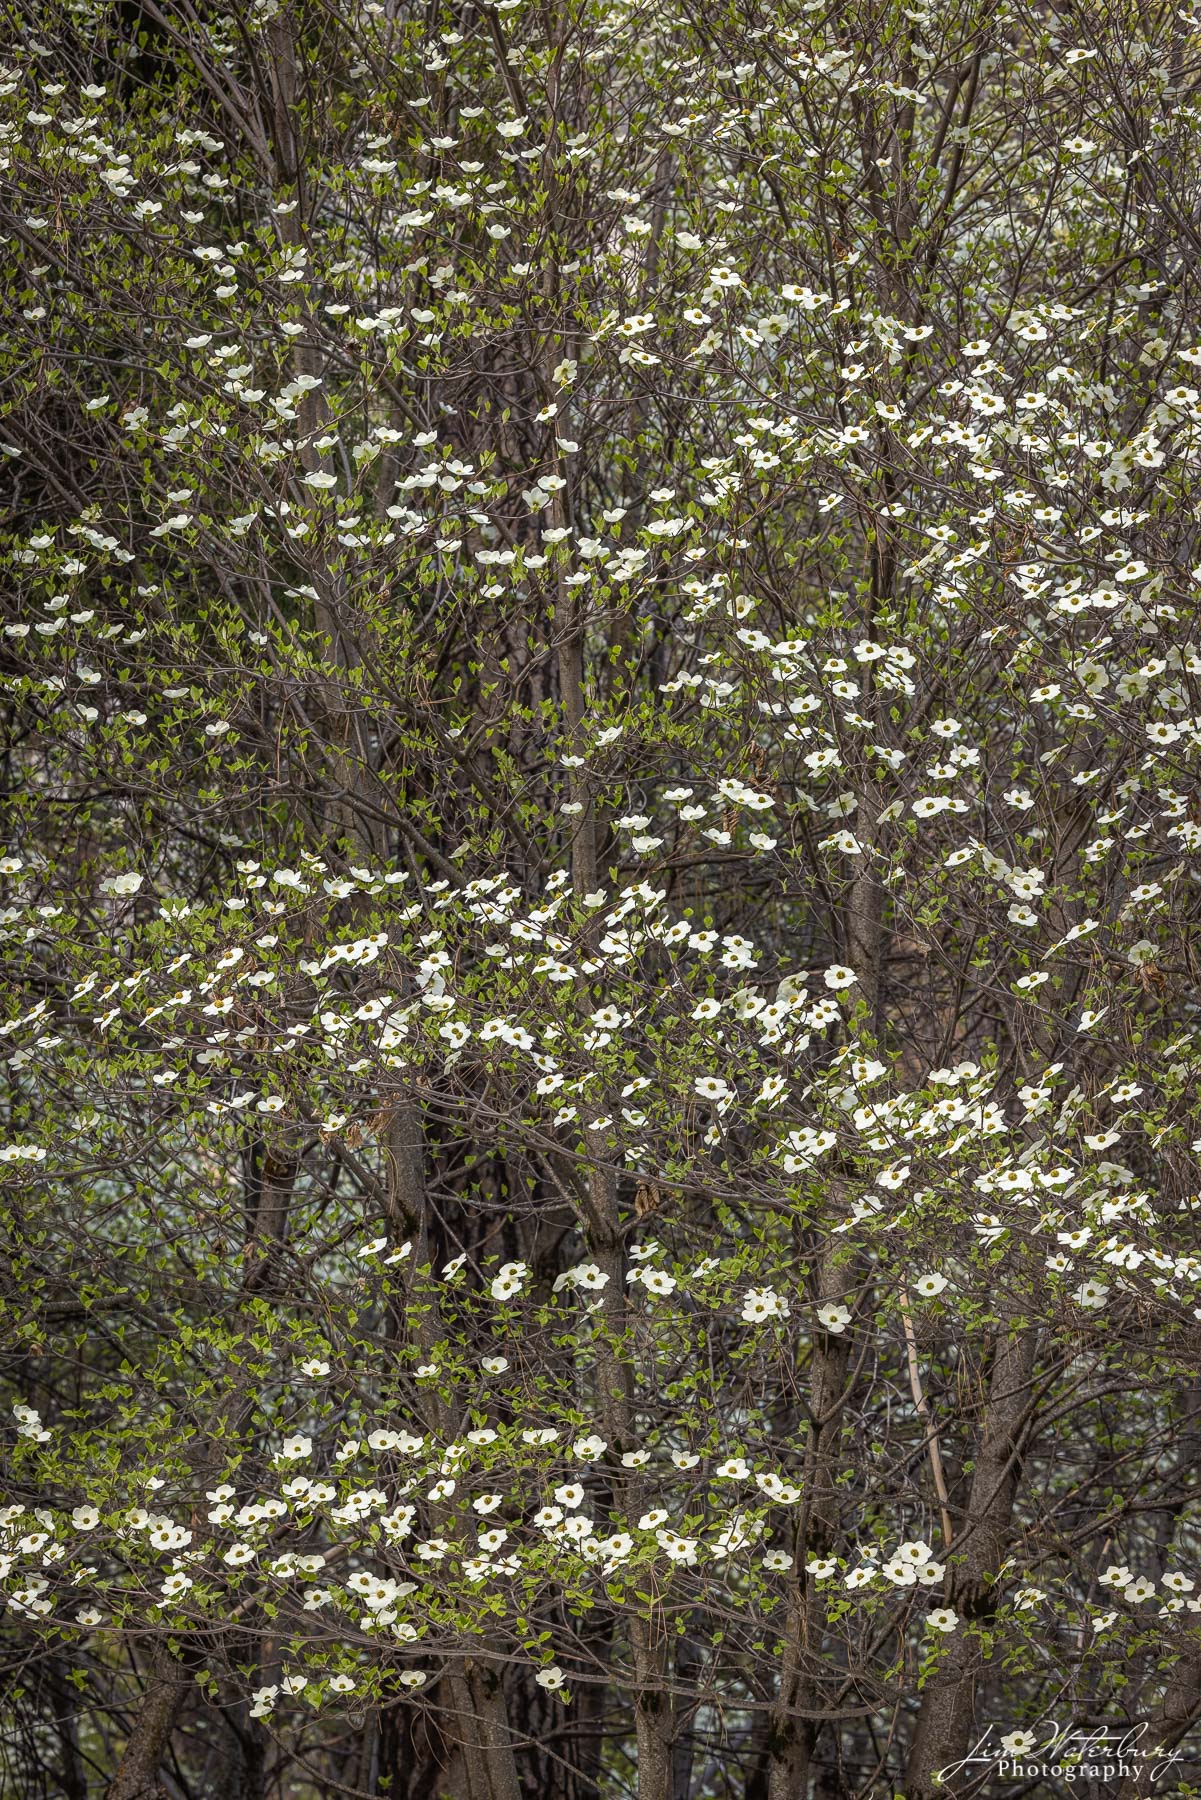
pixel 599 895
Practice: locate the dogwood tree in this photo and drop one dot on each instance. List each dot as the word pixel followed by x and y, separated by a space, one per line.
pixel 600 1007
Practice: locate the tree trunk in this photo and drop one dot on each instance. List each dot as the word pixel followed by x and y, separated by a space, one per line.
pixel 652 1719
pixel 1177 1711
pixel 795 1718
pixel 945 1721
pixel 480 1729
pixel 138 1771
pixel 65 1700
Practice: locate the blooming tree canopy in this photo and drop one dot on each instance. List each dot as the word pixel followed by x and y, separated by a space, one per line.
pixel 599 895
